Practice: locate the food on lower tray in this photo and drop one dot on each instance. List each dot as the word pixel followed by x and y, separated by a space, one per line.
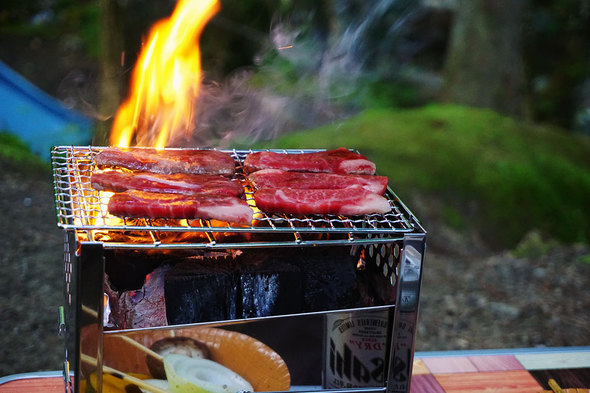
pixel 277 178
pixel 181 373
pixel 349 202
pixel 178 183
pixel 194 375
pixel 134 203
pixel 340 161
pixel 252 360
pixel 185 346
pixel 193 161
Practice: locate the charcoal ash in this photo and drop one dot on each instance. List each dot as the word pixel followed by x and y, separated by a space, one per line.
pixel 329 279
pixel 269 285
pixel 217 286
pixel 201 290
pixel 264 283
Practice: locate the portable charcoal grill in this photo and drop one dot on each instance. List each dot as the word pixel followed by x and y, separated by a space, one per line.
pixel 390 249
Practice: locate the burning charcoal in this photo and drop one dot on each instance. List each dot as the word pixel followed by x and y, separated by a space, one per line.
pixel 269 286
pixel 201 290
pixel 140 308
pixel 329 279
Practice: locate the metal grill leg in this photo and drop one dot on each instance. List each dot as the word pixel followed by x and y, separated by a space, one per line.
pixel 406 314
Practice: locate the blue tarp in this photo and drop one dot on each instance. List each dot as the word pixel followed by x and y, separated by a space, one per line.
pixel 38 119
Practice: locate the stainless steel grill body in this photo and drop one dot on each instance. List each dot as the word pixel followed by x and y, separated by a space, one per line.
pixel 392 245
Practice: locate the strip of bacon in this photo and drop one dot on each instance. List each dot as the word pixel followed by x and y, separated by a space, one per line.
pixel 142 204
pixel 352 201
pixel 178 183
pixel 192 161
pixel 341 161
pixel 276 178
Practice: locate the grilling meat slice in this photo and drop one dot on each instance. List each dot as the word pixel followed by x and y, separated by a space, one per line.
pixel 178 183
pixel 210 162
pixel 340 160
pixel 135 203
pixel 276 178
pixel 349 202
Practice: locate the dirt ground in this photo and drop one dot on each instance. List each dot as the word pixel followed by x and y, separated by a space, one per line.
pixel 31 262
pixel 471 298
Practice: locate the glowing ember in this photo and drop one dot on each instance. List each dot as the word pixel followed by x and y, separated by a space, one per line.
pixel 166 79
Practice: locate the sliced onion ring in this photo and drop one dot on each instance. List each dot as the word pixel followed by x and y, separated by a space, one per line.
pixel 195 375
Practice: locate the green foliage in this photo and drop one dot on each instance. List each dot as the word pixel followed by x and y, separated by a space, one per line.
pixel 74 19
pixel 15 154
pixel 514 176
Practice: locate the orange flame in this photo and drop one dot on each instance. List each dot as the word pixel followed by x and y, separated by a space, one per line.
pixel 166 79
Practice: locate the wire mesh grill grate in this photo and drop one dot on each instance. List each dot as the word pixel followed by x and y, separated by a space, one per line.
pixel 83 209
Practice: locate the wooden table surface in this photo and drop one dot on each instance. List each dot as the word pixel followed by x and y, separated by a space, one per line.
pixel 506 371
pixel 488 371
pixel 45 382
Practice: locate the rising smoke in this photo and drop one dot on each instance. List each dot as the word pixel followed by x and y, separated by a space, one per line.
pixel 312 72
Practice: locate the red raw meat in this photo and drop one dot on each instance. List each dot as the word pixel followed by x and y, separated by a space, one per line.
pixel 178 183
pixel 134 203
pixel 341 161
pixel 193 161
pixel 352 201
pixel 276 178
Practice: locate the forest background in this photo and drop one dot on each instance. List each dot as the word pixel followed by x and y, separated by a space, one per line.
pixel 477 110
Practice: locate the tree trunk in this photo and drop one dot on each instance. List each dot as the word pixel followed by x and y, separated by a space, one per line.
pixel 111 84
pixel 484 60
